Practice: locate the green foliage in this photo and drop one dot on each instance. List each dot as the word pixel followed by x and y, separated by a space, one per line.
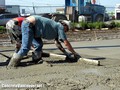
pixel 112 24
pixel 90 25
pixel 98 25
pixel 2 29
pixel 95 25
pixel 73 25
pixel 118 25
pixel 83 25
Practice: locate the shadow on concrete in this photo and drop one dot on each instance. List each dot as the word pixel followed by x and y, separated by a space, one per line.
pixel 89 47
pixel 29 63
pixel 7 50
pixel 98 58
pixel 4 63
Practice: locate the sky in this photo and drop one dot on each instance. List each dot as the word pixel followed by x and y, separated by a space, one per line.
pixel 108 3
pixel 35 2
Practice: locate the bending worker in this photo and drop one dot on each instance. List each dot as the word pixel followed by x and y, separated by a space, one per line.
pixel 34 28
pixel 14 31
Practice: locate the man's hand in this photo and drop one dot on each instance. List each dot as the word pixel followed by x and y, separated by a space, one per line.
pixel 12 41
pixel 77 56
pixel 72 57
pixel 67 54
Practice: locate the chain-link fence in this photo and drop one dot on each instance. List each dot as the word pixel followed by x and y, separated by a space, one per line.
pixel 33 9
pixel 51 9
pixel 41 9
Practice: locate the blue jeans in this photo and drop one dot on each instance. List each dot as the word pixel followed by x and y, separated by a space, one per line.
pixel 28 39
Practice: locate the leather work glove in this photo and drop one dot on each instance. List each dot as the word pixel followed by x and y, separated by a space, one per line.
pixel 77 56
pixel 73 57
pixel 67 54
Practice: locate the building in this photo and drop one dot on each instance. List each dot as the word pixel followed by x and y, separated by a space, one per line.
pixel 6 6
pixel 30 6
pixel 117 12
pixel 2 3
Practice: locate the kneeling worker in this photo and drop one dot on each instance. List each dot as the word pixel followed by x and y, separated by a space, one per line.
pixel 34 28
pixel 13 28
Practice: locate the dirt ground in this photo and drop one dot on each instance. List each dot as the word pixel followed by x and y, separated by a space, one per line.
pixel 61 75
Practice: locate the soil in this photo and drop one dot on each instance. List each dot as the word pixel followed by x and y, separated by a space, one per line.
pixel 90 35
pixel 60 75
pixel 82 35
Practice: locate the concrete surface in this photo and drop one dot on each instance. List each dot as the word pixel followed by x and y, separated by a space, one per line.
pixel 67 76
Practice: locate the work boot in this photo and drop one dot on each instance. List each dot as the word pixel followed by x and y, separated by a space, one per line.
pixel 14 61
pixel 36 57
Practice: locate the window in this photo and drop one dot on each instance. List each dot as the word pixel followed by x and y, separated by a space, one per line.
pixel 73 1
pixel 11 16
pixel 5 17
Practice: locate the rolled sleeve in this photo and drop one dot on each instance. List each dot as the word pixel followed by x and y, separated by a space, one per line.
pixel 61 33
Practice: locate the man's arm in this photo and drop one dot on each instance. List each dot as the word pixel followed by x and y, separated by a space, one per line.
pixel 60 47
pixel 70 48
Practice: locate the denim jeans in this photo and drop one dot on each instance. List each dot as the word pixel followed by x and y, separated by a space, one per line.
pixel 28 39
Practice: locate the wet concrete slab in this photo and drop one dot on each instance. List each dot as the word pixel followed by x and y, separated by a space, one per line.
pixel 67 76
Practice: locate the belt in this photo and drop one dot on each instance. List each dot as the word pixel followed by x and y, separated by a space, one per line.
pixel 26 20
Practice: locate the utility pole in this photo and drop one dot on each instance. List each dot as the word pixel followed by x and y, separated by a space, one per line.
pixel 34 8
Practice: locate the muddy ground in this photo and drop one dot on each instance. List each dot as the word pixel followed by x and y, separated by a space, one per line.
pixel 61 75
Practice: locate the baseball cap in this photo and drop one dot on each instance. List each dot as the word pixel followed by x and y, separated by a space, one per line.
pixel 67 22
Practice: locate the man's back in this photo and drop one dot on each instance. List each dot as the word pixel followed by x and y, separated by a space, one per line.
pixel 46 28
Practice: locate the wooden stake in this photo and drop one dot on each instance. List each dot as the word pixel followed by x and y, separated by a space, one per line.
pixel 85 60
pixel 88 61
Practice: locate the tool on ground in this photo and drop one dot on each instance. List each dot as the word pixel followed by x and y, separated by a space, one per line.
pixel 5 55
pixel 86 60
pixel 44 54
pixel 25 57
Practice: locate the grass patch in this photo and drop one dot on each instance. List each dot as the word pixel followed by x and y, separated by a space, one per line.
pixel 2 29
pixel 95 25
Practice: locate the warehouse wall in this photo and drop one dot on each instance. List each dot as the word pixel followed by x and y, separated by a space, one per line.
pixel 2 3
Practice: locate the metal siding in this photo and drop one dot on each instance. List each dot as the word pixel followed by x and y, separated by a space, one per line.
pixel 2 3
pixel 118 16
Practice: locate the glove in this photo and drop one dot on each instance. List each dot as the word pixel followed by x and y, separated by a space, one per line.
pixel 77 56
pixel 17 48
pixel 67 54
pixel 73 57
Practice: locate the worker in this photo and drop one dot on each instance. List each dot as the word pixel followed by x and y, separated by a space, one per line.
pixel 34 29
pixel 14 31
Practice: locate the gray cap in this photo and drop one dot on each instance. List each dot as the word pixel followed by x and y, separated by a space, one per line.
pixel 67 22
